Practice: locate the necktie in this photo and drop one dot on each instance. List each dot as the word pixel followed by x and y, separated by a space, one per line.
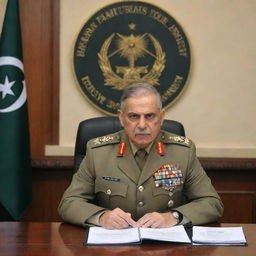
pixel 140 157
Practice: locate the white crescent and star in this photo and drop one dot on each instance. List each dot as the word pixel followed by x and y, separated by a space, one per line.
pixel 6 87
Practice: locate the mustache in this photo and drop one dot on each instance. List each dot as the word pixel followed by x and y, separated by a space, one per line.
pixel 142 132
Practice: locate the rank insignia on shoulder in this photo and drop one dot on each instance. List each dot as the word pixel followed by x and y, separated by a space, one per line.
pixel 180 139
pixel 105 140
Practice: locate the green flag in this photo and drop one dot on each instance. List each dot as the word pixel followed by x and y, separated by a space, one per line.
pixel 15 173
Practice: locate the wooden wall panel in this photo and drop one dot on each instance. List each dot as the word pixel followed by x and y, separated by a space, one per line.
pixel 237 188
pixel 239 206
pixel 40 31
pixel 48 188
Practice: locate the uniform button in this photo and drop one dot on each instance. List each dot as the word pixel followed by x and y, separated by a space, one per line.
pixel 170 194
pixel 140 204
pixel 170 203
pixel 108 192
pixel 141 188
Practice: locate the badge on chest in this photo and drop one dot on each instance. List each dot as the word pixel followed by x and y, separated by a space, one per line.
pixel 168 176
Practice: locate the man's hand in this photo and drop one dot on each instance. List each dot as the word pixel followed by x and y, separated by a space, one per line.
pixel 157 220
pixel 116 219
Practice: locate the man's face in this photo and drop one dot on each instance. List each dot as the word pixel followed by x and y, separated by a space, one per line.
pixel 141 119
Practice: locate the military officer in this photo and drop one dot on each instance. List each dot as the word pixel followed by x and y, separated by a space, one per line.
pixel 140 176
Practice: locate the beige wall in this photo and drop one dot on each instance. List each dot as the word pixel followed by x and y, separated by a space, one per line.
pixel 217 108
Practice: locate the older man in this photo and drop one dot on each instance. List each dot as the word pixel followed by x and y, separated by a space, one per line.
pixel 140 176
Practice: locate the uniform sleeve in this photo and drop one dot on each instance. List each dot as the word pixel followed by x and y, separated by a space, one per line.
pixel 203 203
pixel 77 205
pixel 95 219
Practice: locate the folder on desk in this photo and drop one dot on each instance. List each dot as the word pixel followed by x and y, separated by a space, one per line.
pixel 176 234
pixel 218 236
pixel 130 236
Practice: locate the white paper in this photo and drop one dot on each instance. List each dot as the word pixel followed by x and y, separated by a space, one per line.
pixel 172 234
pixel 218 235
pixel 99 235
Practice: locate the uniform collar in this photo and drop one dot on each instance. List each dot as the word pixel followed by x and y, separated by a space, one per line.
pixel 135 148
pixel 124 137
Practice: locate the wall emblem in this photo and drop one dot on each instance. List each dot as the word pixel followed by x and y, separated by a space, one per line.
pixel 128 42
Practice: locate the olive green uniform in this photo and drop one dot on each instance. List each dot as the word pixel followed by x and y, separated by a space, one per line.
pixel 107 180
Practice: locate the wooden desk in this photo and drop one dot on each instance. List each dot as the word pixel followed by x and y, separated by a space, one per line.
pixel 59 239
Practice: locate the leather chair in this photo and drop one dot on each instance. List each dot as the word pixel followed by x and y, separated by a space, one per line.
pixel 100 126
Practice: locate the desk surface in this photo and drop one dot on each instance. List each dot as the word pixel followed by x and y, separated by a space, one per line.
pixel 60 239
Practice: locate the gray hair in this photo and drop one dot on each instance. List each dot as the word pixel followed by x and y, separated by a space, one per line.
pixel 140 89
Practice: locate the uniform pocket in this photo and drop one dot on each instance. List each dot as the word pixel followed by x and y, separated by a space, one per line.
pixel 111 188
pixel 167 199
pixel 109 193
pixel 158 191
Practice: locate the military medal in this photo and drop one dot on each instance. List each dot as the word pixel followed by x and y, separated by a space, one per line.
pixel 168 177
pixel 160 148
pixel 122 148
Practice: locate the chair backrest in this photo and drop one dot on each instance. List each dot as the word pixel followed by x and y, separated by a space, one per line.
pixel 100 126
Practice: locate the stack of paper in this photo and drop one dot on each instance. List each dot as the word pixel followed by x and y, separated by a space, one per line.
pixel 218 236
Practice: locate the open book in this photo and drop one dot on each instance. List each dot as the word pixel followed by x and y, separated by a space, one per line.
pixel 101 236
pixel 176 234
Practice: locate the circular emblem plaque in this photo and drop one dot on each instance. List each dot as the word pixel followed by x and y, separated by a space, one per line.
pixel 128 42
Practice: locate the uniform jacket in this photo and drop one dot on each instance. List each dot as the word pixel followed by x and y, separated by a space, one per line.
pixel 107 180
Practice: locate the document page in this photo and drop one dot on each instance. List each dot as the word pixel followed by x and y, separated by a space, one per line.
pixel 99 235
pixel 218 235
pixel 173 234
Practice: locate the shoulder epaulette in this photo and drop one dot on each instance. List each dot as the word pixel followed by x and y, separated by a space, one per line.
pixel 177 140
pixel 105 140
